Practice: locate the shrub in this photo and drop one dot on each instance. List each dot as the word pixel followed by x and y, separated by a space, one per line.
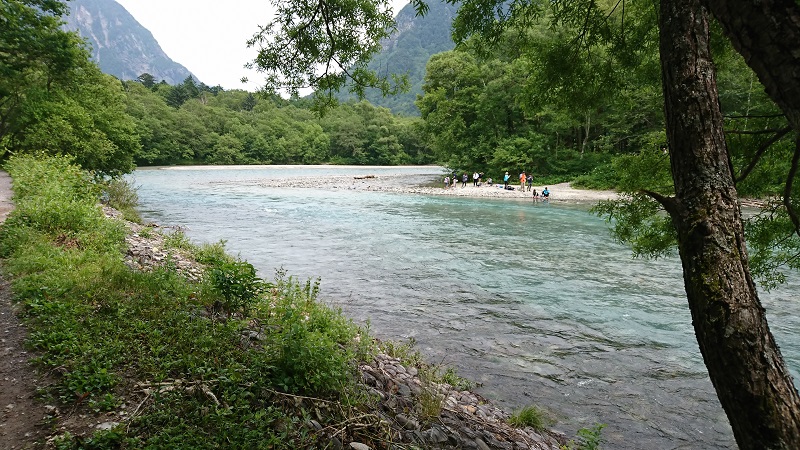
pixel 313 347
pixel 588 439
pixel 237 285
pixel 121 195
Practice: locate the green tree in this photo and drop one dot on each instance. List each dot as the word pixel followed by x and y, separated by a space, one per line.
pixel 52 98
pixel 324 44
pixel 147 80
pixel 34 53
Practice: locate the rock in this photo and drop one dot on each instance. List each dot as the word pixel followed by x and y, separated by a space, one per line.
pixel 368 379
pixel 404 390
pixel 407 423
pixel 436 435
pixel 359 446
pixel 336 444
pixel 106 425
pixel 481 445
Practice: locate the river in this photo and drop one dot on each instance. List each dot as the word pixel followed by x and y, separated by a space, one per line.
pixel 534 301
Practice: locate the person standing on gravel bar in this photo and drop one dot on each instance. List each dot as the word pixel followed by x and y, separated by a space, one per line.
pixel 475 179
pixel 530 182
pixel 446 182
pixel 505 180
pixel 522 180
pixel 464 180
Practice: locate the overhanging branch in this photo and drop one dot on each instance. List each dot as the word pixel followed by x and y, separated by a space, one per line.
pixel 760 152
pixel 787 191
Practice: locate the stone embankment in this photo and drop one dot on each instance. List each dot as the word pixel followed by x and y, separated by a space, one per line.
pixel 419 413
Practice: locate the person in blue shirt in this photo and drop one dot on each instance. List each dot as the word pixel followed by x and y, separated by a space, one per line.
pixel 546 193
pixel 505 180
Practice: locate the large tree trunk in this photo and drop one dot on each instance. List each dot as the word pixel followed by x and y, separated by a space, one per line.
pixel 743 361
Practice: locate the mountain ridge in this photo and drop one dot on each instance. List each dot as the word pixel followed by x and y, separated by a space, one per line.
pixel 120 45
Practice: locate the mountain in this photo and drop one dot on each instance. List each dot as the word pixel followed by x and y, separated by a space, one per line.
pixel 120 45
pixel 407 51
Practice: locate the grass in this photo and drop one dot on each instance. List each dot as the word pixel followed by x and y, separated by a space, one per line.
pixel 531 416
pixel 155 340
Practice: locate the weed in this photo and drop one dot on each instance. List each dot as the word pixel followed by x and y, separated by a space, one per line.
pixel 458 382
pixel 211 254
pixel 405 352
pixel 177 240
pixel 429 403
pixel 531 416
pixel 237 285
pixel 122 195
pixel 439 374
pixel 589 439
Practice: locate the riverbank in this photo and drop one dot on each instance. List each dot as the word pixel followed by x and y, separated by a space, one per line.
pixel 148 357
pixel 430 185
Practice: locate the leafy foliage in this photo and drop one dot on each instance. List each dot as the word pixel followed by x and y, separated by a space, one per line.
pixel 324 44
pixel 52 98
pixel 588 439
pixel 236 282
pixel 236 127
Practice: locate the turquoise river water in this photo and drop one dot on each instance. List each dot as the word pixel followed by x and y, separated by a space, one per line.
pixel 535 301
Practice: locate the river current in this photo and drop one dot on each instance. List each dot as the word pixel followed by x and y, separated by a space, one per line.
pixel 534 301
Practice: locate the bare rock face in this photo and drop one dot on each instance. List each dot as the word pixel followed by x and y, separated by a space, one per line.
pixel 121 46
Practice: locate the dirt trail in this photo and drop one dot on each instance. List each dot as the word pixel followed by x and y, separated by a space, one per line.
pixel 21 416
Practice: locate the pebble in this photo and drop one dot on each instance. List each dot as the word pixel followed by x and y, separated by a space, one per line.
pixel 106 425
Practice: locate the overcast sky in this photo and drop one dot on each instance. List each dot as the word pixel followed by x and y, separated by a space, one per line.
pixel 209 37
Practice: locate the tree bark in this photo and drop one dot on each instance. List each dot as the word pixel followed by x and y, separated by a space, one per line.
pixel 743 361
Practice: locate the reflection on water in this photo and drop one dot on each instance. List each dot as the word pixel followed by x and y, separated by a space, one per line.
pixel 535 301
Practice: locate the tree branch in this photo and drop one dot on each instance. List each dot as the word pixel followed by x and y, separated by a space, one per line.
pixel 760 152
pixel 787 191
pixel 755 116
pixel 670 204
pixel 767 131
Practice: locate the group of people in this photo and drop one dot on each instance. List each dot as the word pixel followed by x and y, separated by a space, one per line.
pixel 525 183
pixel 476 179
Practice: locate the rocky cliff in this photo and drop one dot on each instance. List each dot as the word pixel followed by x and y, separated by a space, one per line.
pixel 120 45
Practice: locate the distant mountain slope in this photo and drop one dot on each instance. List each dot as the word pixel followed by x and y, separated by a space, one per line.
pixel 120 45
pixel 408 50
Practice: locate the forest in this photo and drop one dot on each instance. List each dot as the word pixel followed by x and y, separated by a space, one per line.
pixel 529 103
pixel 191 123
